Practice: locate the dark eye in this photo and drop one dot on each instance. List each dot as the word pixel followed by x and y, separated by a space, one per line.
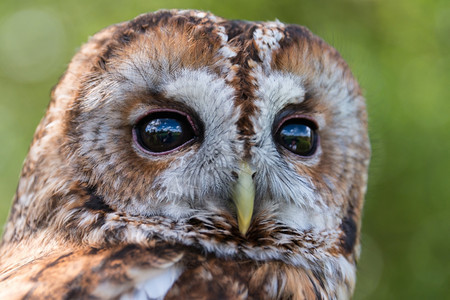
pixel 298 136
pixel 163 131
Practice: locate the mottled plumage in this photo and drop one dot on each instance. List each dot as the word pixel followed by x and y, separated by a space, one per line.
pixel 97 215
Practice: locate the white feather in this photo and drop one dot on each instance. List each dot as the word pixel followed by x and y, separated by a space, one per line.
pixel 156 284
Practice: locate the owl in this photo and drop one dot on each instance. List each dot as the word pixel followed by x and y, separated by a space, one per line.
pixel 186 156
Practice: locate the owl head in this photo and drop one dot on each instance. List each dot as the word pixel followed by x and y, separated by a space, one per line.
pixel 245 139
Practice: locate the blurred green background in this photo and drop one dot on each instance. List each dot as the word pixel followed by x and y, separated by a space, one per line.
pixel 399 51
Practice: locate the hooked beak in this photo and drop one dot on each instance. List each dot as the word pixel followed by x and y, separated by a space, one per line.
pixel 244 197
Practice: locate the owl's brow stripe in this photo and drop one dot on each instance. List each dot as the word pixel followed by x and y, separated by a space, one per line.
pixel 241 36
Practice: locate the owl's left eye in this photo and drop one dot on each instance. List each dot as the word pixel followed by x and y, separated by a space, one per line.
pixel 161 132
pixel 298 135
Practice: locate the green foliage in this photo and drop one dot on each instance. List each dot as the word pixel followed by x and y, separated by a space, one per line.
pixel 399 50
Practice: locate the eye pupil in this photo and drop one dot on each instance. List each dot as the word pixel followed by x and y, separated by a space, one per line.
pixel 297 136
pixel 163 131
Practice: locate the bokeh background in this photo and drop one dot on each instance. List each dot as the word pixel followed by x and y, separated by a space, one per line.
pixel 400 52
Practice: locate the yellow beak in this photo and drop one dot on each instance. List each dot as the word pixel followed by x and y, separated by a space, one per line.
pixel 244 197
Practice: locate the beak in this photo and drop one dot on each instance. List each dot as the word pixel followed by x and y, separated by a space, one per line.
pixel 244 197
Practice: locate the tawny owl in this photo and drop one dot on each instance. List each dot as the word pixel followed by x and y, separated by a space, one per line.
pixel 185 156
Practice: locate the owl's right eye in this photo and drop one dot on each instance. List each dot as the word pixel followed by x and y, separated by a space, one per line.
pixel 161 132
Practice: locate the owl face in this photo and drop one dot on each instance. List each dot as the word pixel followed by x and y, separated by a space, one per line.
pixel 239 98
pixel 162 116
